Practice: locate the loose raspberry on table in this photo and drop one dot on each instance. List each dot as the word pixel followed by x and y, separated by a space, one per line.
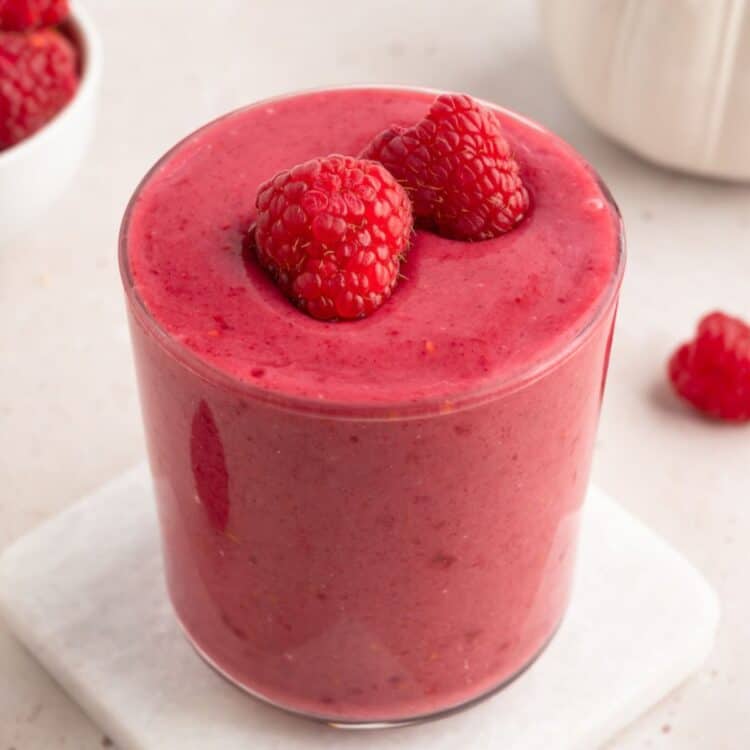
pixel 458 169
pixel 38 77
pixel 332 233
pixel 712 372
pixel 24 15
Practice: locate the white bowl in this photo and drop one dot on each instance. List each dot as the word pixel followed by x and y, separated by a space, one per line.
pixel 37 170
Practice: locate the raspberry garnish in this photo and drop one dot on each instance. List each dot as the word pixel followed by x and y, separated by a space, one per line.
pixel 712 372
pixel 457 168
pixel 23 15
pixel 38 77
pixel 332 233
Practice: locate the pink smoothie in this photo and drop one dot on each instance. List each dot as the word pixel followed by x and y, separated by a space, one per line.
pixel 375 520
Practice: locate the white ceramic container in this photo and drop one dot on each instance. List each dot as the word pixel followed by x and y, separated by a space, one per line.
pixel 671 80
pixel 37 170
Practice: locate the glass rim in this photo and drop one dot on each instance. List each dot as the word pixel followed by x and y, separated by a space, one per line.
pixel 419 407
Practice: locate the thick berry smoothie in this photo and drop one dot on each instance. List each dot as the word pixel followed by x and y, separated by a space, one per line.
pixel 375 520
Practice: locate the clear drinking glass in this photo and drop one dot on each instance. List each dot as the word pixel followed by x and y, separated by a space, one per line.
pixel 369 565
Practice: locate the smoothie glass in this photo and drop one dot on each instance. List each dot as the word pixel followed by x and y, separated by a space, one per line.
pixel 370 564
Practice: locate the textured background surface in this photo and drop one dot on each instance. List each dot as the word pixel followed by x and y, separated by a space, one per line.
pixel 68 411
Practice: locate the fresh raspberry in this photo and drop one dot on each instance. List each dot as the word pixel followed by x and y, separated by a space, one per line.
pixel 713 371
pixel 38 77
pixel 332 233
pixel 24 15
pixel 458 169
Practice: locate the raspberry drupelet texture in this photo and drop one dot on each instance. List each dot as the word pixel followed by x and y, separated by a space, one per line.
pixel 24 15
pixel 332 233
pixel 712 372
pixel 38 77
pixel 458 169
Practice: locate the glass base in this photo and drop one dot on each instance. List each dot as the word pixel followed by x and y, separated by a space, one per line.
pixel 367 723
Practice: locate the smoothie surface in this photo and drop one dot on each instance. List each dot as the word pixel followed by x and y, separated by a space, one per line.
pixel 467 316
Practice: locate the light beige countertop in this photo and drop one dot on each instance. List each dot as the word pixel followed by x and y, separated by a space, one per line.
pixel 69 416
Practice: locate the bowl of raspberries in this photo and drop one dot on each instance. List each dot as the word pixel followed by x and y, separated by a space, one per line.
pixel 49 69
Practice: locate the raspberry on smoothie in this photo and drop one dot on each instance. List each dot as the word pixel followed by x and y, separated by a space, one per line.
pixel 371 520
pixel 332 233
pixel 458 169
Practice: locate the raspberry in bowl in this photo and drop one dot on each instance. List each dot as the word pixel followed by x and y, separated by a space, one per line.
pixel 49 71
pixel 31 15
pixel 369 501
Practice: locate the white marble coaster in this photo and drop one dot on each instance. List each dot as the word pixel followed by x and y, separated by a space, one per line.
pixel 85 594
